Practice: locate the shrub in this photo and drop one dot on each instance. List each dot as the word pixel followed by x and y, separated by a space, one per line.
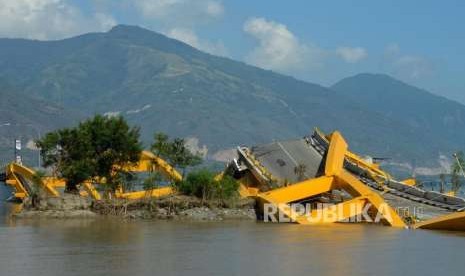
pixel 227 188
pixel 202 184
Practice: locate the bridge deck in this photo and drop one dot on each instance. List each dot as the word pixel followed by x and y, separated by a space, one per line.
pixel 281 158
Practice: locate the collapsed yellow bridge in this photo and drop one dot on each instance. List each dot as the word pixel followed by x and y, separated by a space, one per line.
pixel 320 168
pixel 25 180
pixel 317 171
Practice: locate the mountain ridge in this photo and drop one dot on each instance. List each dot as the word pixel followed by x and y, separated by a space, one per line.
pixel 422 111
pixel 163 84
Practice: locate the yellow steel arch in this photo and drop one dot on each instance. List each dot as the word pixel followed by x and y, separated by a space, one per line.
pixel 149 162
pixel 22 178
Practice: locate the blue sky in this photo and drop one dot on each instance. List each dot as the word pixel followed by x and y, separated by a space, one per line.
pixel 420 42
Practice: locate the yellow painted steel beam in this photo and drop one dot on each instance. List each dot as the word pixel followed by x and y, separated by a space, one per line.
pixel 336 177
pixel 329 214
pixel 149 162
pixel 283 208
pixel 154 193
pixel 14 169
pixel 341 212
pixel 20 190
pixel 54 182
pixel 245 191
pixel 90 189
pixel 301 190
pixel 335 156
pixel 410 182
pixel 19 187
pixel 20 195
pixel 345 180
pixel 373 169
pixel 354 187
pixel 451 222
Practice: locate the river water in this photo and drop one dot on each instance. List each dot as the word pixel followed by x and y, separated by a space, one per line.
pixel 113 247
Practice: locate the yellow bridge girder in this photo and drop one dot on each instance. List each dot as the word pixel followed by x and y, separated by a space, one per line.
pixel 336 177
pixel 153 193
pixel 149 162
pixel 451 222
pixel 372 168
pixel 301 190
pixel 340 212
pixel 18 174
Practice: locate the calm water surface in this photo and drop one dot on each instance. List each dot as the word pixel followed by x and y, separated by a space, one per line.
pixel 111 247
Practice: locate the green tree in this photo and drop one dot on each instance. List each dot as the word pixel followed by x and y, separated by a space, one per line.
pixel 175 152
pixel 182 157
pixel 161 145
pixel 97 148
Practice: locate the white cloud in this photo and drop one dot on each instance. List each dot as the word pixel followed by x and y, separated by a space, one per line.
pixel 413 66
pixel 190 37
pixel 179 18
pixel 215 8
pixel 48 19
pixel 406 65
pixel 180 12
pixel 156 8
pixel 104 21
pixel 279 49
pixel 351 54
pixel 56 19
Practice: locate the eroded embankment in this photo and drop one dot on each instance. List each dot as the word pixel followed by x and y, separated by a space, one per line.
pixel 177 207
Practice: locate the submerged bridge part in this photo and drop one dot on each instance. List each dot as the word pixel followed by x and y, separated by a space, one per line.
pixel 319 168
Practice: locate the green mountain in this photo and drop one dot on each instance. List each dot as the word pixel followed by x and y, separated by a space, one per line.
pixel 26 117
pixel 439 122
pixel 163 84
